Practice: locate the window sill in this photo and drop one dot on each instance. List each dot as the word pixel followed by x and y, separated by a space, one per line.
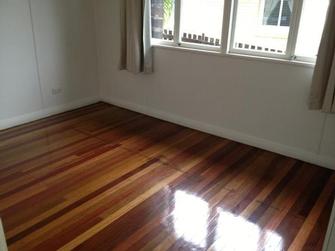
pixel 235 55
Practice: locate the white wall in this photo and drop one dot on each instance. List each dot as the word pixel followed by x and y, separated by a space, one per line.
pixel 19 87
pixel 46 45
pixel 327 147
pixel 51 44
pixel 256 102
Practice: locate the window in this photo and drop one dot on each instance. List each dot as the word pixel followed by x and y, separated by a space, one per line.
pixel 283 29
pixel 162 19
pixel 252 35
pixel 201 21
pixel 197 22
pixel 310 30
pixel 277 12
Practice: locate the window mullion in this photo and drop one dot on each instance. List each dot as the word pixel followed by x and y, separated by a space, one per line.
pixel 280 12
pixel 177 22
pixel 294 28
pixel 232 25
pixel 226 26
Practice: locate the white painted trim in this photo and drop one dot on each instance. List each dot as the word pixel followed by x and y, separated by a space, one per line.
pixel 329 244
pixel 226 26
pixel 3 245
pixel 177 13
pixel 290 151
pixel 244 57
pixel 26 118
pixel 229 134
pixel 294 28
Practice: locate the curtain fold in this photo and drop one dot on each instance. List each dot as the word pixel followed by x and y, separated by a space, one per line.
pixel 322 95
pixel 136 51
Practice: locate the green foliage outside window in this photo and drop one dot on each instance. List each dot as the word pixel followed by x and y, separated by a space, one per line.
pixel 168 8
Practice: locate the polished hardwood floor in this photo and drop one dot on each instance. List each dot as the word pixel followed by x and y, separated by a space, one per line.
pixel 105 178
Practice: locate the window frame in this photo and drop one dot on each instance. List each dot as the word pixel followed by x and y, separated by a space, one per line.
pixel 228 35
pixel 177 42
pixel 291 40
pixel 180 43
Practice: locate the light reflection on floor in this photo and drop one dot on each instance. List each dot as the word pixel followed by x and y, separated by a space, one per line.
pixel 233 233
pixel 190 218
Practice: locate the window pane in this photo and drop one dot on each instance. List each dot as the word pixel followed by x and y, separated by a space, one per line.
pixel 258 26
pixel 201 21
pixel 271 12
pixel 286 13
pixel 311 26
pixel 162 19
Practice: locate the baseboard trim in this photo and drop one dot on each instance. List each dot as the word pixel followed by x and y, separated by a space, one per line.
pixel 289 151
pixel 3 244
pixel 26 118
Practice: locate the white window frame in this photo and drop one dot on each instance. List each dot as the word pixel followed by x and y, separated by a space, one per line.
pixel 303 58
pixel 180 43
pixel 177 34
pixel 228 32
pixel 291 41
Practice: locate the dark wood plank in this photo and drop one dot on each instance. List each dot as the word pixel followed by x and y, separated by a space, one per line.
pixel 105 178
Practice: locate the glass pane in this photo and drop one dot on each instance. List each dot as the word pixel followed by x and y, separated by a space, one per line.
pixel 258 27
pixel 162 19
pixel 286 13
pixel 271 12
pixel 201 21
pixel 311 26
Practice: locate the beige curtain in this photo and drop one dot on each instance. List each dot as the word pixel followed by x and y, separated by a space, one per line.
pixel 323 87
pixel 136 52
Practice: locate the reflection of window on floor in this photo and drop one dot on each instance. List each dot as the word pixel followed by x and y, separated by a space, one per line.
pixel 191 221
pixel 231 229
pixel 190 218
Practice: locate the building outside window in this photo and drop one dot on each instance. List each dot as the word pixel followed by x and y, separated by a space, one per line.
pixel 277 12
pixel 162 19
pixel 262 25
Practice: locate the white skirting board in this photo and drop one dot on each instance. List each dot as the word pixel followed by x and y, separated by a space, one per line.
pixel 26 118
pixel 329 244
pixel 3 245
pixel 289 151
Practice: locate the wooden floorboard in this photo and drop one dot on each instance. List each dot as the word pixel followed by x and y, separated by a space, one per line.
pixel 105 178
